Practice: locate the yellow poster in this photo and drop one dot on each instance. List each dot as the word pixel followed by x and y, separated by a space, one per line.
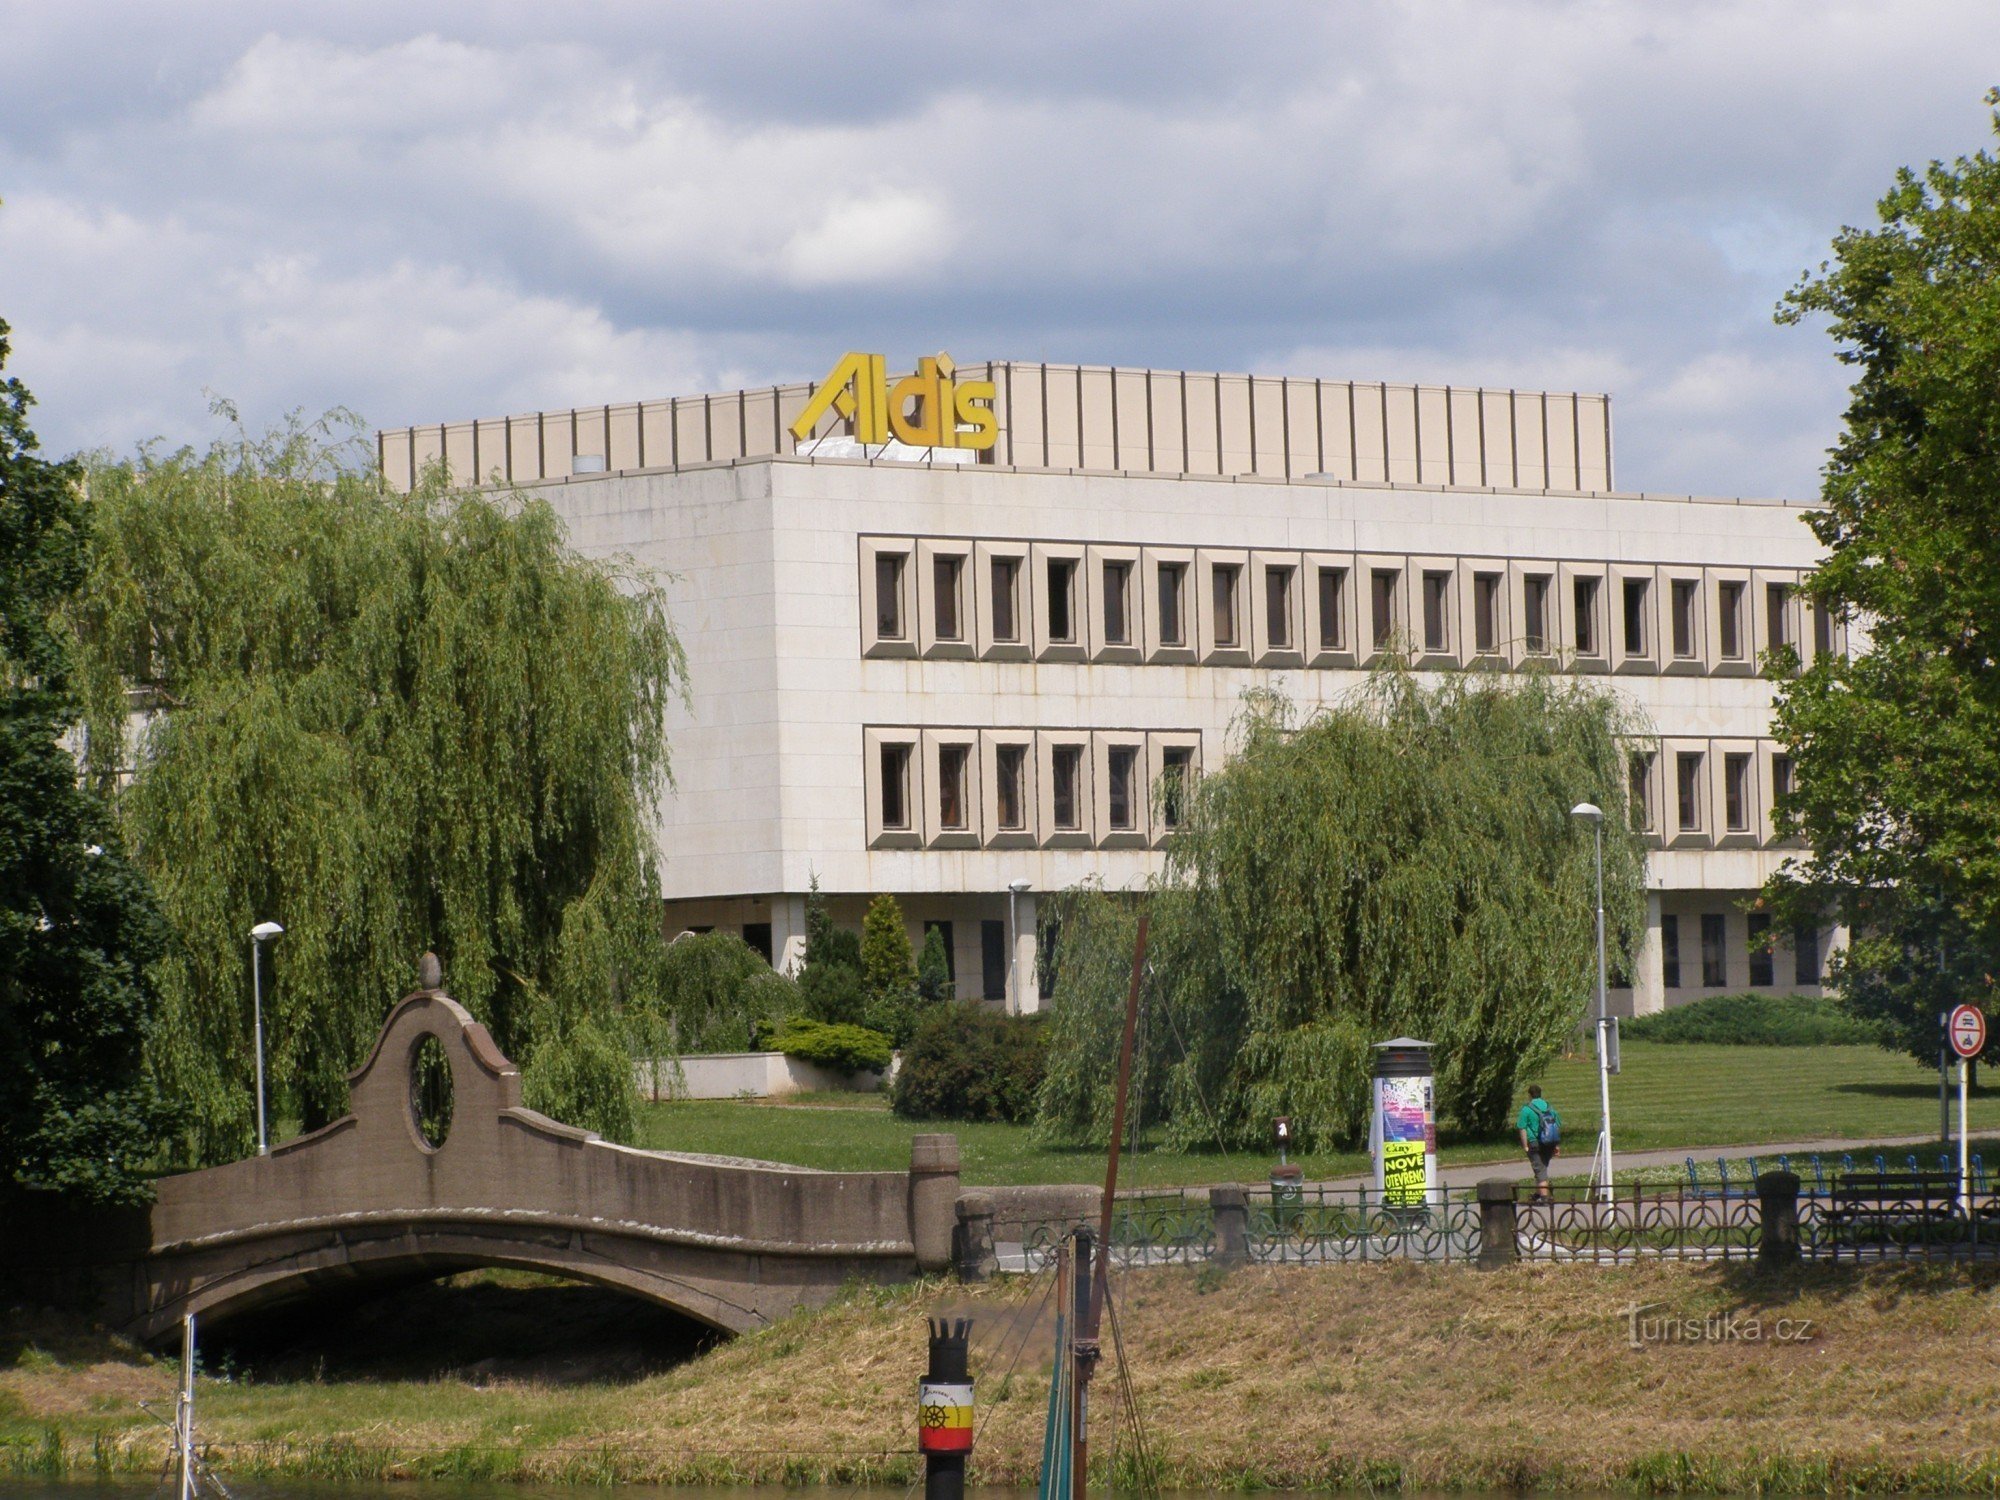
pixel 1403 1175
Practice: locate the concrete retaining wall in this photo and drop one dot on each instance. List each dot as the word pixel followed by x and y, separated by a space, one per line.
pixel 759 1075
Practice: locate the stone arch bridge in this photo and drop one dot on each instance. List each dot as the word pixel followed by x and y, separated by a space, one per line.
pixel 729 1242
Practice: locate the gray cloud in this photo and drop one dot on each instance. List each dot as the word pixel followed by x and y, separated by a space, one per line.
pixel 486 208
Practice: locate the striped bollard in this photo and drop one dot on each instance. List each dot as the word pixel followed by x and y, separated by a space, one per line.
pixel 944 1411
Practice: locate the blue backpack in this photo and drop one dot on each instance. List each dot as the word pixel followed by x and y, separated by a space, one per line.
pixel 1551 1132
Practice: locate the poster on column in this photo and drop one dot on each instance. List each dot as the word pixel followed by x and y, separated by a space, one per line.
pixel 1406 1139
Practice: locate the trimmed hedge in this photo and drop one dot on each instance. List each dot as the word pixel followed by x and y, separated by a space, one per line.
pixel 968 1063
pixel 845 1049
pixel 1754 1021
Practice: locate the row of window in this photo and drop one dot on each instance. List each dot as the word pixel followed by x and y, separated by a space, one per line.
pixel 1022 788
pixel 1807 955
pixel 1055 601
pixel 1704 793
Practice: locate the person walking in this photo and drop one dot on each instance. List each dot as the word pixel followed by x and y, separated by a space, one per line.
pixel 1541 1137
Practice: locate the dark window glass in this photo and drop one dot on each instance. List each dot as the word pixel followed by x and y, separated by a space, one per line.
pixel 1683 595
pixel 1736 791
pixel 1535 612
pixel 945 574
pixel 1382 607
pixel 1062 599
pixel 993 960
pixel 1585 592
pixel 1687 787
pixel 1777 615
pixel 1822 630
pixel 1173 579
pixel 1117 602
pixel 757 935
pixel 1124 763
pixel 1805 955
pixel 1009 792
pixel 1486 612
pixel 1006 588
pixel 1670 952
pixel 889 595
pixel 1222 577
pixel 951 785
pixel 1437 603
pixel 1176 777
pixel 1332 609
pixel 1781 778
pixel 895 786
pixel 1714 953
pixel 1729 621
pixel 1636 591
pixel 1067 771
pixel 1760 950
pixel 1639 791
pixel 1278 607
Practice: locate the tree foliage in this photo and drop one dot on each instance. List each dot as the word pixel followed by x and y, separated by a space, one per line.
pixel 392 722
pixel 1405 864
pixel 1897 792
pixel 968 1063
pixel 831 988
pixel 715 990
pixel 78 927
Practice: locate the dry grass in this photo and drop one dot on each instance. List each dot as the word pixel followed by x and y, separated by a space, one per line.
pixel 1378 1376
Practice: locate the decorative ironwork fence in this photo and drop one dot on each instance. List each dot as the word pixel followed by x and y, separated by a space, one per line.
pixel 1296 1225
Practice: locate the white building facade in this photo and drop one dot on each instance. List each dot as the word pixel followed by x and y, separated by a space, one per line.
pixel 958 675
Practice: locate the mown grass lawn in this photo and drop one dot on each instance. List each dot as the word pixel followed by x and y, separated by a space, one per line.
pixel 1694 1097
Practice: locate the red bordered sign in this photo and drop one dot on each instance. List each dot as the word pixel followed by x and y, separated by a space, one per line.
pixel 1966 1026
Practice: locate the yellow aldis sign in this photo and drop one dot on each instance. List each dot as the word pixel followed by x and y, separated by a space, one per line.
pixel 926 410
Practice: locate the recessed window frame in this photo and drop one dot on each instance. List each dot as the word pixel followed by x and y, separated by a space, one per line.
pixel 993 745
pixel 1075 646
pixel 1186 648
pixel 1110 750
pixel 875 554
pixel 1159 745
pixel 931 557
pixel 1111 565
pixel 1634 599
pixel 1684 638
pixel 876 744
pixel 1435 580
pixel 986 557
pixel 1340 651
pixel 1051 748
pixel 1382 637
pixel 1277 647
pixel 940 748
pixel 1215 649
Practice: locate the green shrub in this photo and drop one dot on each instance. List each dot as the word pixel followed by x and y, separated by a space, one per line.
pixel 714 988
pixel 845 1049
pixel 833 994
pixel 968 1063
pixel 1754 1021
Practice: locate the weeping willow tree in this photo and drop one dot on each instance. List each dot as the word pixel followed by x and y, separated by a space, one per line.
pixel 390 722
pixel 1402 865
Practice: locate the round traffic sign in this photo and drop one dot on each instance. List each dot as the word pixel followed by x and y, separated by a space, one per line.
pixel 1967 1029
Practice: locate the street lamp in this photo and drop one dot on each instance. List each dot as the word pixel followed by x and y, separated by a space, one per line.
pixel 1592 814
pixel 1014 890
pixel 261 934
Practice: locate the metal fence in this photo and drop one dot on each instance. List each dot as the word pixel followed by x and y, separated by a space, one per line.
pixel 1308 1225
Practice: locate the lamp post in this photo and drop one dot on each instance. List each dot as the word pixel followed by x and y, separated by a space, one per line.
pixel 1014 889
pixel 261 934
pixel 1592 814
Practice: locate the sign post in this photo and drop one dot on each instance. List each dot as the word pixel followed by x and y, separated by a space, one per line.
pixel 1402 1127
pixel 1966 1026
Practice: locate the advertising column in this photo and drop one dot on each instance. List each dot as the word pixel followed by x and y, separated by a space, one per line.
pixel 1403 1127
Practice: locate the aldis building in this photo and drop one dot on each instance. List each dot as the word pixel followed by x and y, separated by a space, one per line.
pixel 945 631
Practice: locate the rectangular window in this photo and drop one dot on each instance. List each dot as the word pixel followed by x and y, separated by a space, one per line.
pixel 1333 609
pixel 1760 950
pixel 943 930
pixel 1485 612
pixel 1173 582
pixel 1437 603
pixel 1584 592
pixel 1683 597
pixel 951 785
pixel 1117 604
pixel 1777 615
pixel 1822 630
pixel 1124 769
pixel 1781 779
pixel 1805 954
pixel 1636 592
pixel 1006 592
pixel 889 595
pixel 1067 769
pixel 1670 952
pixel 1714 954
pixel 1736 792
pixel 1729 621
pixel 1010 763
pixel 1687 787
pixel 1382 607
pixel 1535 613
pixel 1062 599
pixel 757 935
pixel 1176 779
pixel 895 786
pixel 993 960
pixel 1278 607
pixel 945 574
pixel 1639 792
pixel 1222 580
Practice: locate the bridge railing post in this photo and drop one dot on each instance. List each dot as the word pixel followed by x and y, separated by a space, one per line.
pixel 977 1260
pixel 933 1199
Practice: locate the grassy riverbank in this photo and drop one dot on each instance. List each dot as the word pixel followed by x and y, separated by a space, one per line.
pixel 1401 1376
pixel 1683 1097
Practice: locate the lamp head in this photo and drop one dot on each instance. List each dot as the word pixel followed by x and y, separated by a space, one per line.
pixel 264 931
pixel 1018 886
pixel 1590 812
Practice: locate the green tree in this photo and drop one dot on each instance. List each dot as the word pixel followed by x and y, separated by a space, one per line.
pixel 715 990
pixel 888 977
pixel 831 989
pixel 1404 864
pixel 78 928
pixel 1897 747
pixel 389 721
pixel 934 968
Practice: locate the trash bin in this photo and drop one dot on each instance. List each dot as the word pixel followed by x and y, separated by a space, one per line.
pixel 1288 1197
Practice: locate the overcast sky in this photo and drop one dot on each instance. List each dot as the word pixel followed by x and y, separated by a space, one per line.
pixel 439 211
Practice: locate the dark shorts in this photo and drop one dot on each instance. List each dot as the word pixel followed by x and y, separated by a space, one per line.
pixel 1539 1158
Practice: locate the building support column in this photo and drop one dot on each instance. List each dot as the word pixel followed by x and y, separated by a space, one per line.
pixel 1025 996
pixel 1649 991
pixel 788 933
